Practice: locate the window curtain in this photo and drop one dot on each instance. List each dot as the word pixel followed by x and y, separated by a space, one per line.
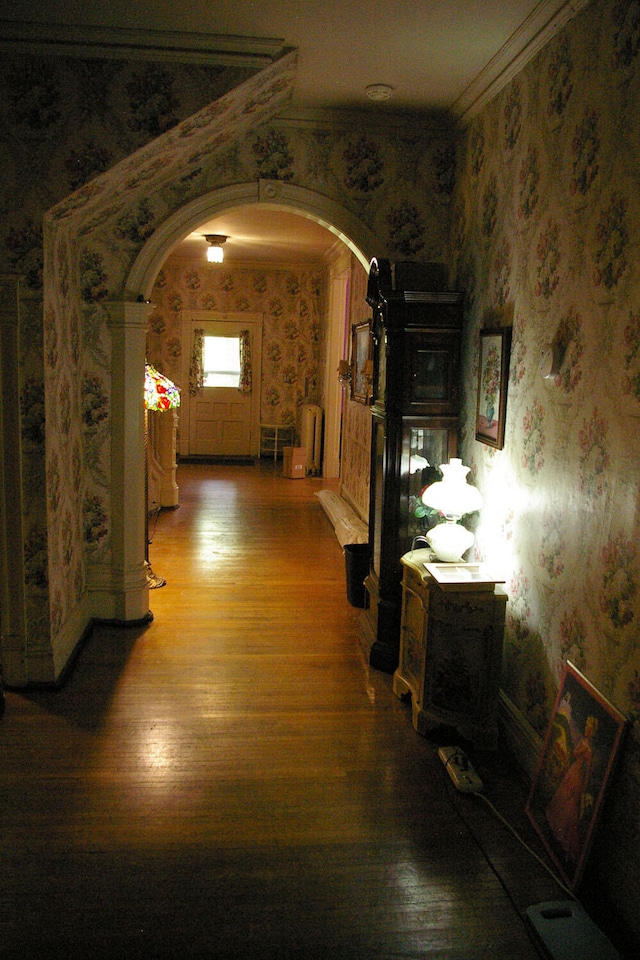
pixel 245 384
pixel 196 366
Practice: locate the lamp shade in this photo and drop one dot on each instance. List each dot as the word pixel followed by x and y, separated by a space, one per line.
pixel 160 393
pixel 452 496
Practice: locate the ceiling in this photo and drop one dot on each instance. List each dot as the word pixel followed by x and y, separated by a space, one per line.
pixel 437 56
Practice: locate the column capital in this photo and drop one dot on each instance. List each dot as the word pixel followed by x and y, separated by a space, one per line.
pixel 128 313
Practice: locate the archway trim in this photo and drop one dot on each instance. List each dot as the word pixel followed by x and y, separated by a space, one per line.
pixel 281 196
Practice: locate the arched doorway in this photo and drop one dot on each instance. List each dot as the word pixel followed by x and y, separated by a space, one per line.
pixel 100 262
pixel 274 195
pixel 306 203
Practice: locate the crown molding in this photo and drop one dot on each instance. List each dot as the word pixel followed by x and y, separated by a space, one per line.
pixel 406 123
pixel 548 17
pixel 208 49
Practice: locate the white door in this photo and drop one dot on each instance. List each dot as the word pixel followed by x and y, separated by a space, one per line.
pixel 222 421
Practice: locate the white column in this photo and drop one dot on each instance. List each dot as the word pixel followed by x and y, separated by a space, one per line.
pixel 121 593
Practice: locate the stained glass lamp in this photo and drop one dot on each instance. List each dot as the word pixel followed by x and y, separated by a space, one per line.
pixel 160 394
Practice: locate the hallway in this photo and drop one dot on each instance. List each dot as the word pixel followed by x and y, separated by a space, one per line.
pixel 232 781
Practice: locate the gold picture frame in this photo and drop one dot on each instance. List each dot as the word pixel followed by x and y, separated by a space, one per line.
pixel 361 362
pixel 493 378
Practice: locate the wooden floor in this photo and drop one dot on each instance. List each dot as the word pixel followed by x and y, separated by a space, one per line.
pixel 233 781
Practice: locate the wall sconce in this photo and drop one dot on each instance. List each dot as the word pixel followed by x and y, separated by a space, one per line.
pixel 215 253
pixel 453 497
pixel 367 373
pixel 344 372
pixel 552 353
pixel 551 358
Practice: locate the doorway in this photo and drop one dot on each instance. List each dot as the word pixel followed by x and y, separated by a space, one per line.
pixel 131 332
pixel 220 420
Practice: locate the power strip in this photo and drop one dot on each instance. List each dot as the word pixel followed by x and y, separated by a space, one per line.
pixel 460 769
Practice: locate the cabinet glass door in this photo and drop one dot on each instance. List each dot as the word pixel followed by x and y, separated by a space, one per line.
pixel 377 493
pixel 431 369
pixel 424 449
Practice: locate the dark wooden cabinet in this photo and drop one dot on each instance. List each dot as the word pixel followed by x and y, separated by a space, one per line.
pixel 415 406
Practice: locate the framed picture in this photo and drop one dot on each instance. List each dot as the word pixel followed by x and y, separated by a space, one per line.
pixel 493 376
pixel 361 362
pixel 580 748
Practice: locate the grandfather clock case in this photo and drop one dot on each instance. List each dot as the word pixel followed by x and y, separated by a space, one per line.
pixel 416 330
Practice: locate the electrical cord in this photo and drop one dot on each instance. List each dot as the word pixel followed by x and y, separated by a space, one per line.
pixel 484 852
pixel 526 846
pixel 473 833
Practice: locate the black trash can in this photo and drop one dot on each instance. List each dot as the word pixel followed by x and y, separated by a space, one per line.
pixel 356 556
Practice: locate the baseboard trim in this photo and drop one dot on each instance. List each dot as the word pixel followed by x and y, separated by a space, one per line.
pixel 518 736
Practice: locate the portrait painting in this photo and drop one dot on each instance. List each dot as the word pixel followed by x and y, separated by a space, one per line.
pixel 361 358
pixel 580 749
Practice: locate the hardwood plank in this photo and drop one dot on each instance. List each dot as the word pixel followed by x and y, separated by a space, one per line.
pixel 234 781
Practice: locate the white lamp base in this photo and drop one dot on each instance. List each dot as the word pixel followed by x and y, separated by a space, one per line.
pixel 449 540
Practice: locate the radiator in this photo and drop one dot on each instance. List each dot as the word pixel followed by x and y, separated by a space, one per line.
pixel 311 436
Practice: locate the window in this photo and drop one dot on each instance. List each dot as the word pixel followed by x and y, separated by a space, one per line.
pixel 222 362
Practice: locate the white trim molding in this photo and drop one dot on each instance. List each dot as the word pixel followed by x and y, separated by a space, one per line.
pixel 117 43
pixel 520 739
pixel 281 196
pixel 544 21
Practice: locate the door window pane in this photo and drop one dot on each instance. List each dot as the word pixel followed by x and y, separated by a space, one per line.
pixel 222 362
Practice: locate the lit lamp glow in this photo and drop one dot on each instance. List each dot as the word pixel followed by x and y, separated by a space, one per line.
pixel 215 253
pixel 453 497
pixel 417 463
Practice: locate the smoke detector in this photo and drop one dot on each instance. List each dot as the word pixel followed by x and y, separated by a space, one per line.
pixel 379 91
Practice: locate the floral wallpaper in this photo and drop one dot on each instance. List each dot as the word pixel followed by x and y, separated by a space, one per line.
pixel 91 240
pixel 548 215
pixel 291 300
pixel 547 231
pixel 64 121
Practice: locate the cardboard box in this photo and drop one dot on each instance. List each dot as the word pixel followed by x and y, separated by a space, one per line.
pixel 294 462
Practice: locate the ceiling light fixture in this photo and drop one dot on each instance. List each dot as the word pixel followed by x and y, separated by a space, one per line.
pixel 215 253
pixel 379 91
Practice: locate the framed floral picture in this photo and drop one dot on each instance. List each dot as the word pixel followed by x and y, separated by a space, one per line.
pixel 580 748
pixel 361 362
pixel 493 376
